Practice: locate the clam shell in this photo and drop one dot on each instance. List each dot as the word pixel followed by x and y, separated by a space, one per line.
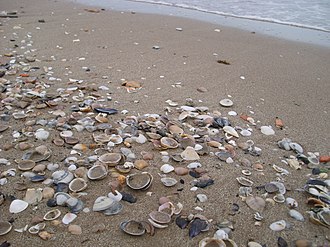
pixel 41 134
pixel 62 176
pixel 36 228
pixel 267 130
pixel 244 181
pixel 155 224
pixel 166 168
pixel 68 218
pixel 160 217
pixel 139 181
pixel 61 198
pixel 5 227
pixel 291 203
pixel 278 225
pixel 296 147
pixel 103 138
pixel 230 130
pixel 77 185
pixel 37 156
pixel 33 195
pixel 189 154
pixel 279 198
pixel 226 102
pixel 169 182
pixel 102 203
pixel 256 203
pixel 66 133
pixel 25 165
pixel 168 142
pixel 296 215
pixel 271 188
pixel 52 215
pixel 111 159
pixel 18 206
pixel 115 208
pixel 97 172
pixel 284 144
pixel 132 227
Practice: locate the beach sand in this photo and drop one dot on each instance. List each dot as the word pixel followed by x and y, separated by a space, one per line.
pixel 266 78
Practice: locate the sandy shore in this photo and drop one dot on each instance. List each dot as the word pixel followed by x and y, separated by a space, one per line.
pixel 266 78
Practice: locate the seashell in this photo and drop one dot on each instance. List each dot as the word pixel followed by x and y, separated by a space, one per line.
pixel 101 119
pixel 244 181
pixel 117 196
pixel 33 196
pixel 271 188
pixel 61 198
pixel 103 138
pixel 52 215
pixel 140 164
pixel 156 224
pixel 36 156
pixel 19 115
pixel 68 218
pixel 166 168
pixel 115 208
pixel 160 217
pixel 17 206
pixel 197 226
pixel 36 228
pixel 296 147
pixel 245 132
pixel 230 130
pixel 294 163
pixel 97 172
pixel 201 197
pixel 168 142
pixel 296 215
pixel 284 144
pixel 66 133
pixel 291 203
pixel 140 139
pixel 25 165
pixel 71 140
pixel 116 139
pixel 281 187
pixel 108 111
pixel 23 146
pixel 278 225
pixel 77 185
pixel 324 216
pixel 254 244
pixel 169 182
pixel 220 234
pixel 111 159
pixel 267 130
pixel 5 227
pixel 226 102
pixel 175 130
pixel 256 203
pixel 132 227
pixel 139 181
pixel 279 198
pixel 62 176
pixel 3 128
pixel 45 235
pixel 75 229
pixel 189 154
pixel 41 134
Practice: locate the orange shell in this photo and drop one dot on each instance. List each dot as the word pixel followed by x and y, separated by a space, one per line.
pixel 279 123
pixel 324 158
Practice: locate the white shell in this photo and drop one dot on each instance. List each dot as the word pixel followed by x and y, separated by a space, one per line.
pixel 102 203
pixel 278 225
pixel 201 197
pixel 296 147
pixel 267 130
pixel 245 132
pixel 116 197
pixel 41 134
pixel 189 154
pixel 290 202
pixel 17 206
pixel 230 130
pixel 226 102
pixel 220 234
pixel 68 218
pixel 296 215
pixel 169 182
pixel 166 168
pixel 194 165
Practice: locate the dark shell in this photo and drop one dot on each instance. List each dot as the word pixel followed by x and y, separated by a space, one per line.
pixel 108 111
pixel 194 174
pixel 303 158
pixel 196 227
pixel 204 183
pixel 128 197
pixel 5 244
pixel 62 187
pixel 181 222
pixel 37 178
pixel 51 202
pixel 281 242
pixel 220 122
pixel 317 182
pixel 77 208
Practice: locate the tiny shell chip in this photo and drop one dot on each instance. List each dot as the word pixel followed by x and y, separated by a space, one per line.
pixel 267 130
pixel 278 225
pixel 226 102
pixel 17 206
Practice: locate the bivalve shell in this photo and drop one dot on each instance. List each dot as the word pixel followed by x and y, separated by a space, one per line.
pixel 296 215
pixel 230 130
pixel 111 159
pixel 211 242
pixel 52 215
pixel 160 217
pixel 244 181
pixel 278 225
pixel 190 154
pixel 25 165
pixel 68 218
pixel 169 182
pixel 18 206
pixel 5 227
pixel 166 168
pixel 139 181
pixel 77 185
pixel 168 142
pixel 102 203
pixel 97 172
pixel 267 130
pixel 226 102
pixel 132 227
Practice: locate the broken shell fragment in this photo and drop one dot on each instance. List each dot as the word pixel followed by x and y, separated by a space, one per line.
pixel 52 215
pixel 256 203
pixel 230 130
pixel 5 227
pixel 244 181
pixel 37 228
pixel 132 227
pixel 139 181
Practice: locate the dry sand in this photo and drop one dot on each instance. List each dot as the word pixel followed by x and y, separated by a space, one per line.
pixel 282 79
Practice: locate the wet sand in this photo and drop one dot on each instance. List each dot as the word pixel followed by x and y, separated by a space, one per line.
pixel 266 78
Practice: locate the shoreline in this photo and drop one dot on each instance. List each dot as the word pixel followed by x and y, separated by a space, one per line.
pixel 74 59
pixel 272 29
